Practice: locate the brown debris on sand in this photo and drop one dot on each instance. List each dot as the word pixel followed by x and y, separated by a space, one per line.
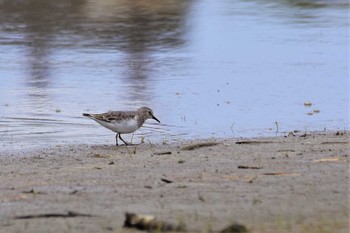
pixel 199 145
pixel 281 174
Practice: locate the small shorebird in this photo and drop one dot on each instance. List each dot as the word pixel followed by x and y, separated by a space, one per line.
pixel 123 122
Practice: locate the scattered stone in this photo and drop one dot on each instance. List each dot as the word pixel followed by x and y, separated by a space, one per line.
pixel 307 104
pixel 149 223
pixel 338 133
pixel 252 179
pixel 200 197
pixel 235 228
pixel 73 192
pixel 109 228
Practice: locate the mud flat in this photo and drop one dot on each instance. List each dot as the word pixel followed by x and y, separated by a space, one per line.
pixel 297 183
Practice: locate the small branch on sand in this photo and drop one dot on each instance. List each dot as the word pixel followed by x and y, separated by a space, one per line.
pixel 163 153
pixel 253 142
pixel 166 181
pixel 249 167
pixel 70 214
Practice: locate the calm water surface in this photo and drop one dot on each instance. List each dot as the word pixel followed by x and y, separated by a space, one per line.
pixel 227 68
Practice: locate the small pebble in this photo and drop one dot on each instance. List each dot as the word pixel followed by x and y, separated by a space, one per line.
pixel 307 104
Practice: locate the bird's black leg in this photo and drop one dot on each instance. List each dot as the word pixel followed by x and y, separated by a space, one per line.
pixel 116 139
pixel 123 140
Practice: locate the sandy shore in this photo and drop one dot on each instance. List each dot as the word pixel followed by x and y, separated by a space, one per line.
pixel 284 184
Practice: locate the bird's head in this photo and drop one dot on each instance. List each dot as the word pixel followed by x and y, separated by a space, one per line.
pixel 148 113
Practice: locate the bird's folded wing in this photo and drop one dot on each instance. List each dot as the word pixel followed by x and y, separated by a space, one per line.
pixel 113 116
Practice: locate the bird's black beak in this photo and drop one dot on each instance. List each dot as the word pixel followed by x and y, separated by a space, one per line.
pixel 155 118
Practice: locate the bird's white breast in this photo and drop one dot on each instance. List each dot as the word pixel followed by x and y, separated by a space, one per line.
pixel 122 126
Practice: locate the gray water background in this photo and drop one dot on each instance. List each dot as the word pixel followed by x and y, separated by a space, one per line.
pixel 229 68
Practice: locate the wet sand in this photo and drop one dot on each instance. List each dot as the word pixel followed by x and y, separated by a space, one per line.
pixel 282 184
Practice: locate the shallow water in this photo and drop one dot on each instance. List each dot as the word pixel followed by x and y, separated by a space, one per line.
pixel 206 68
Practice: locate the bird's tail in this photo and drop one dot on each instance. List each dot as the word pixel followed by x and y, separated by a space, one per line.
pixel 86 114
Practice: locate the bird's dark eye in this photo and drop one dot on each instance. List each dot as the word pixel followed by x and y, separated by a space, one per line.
pixel 150 113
